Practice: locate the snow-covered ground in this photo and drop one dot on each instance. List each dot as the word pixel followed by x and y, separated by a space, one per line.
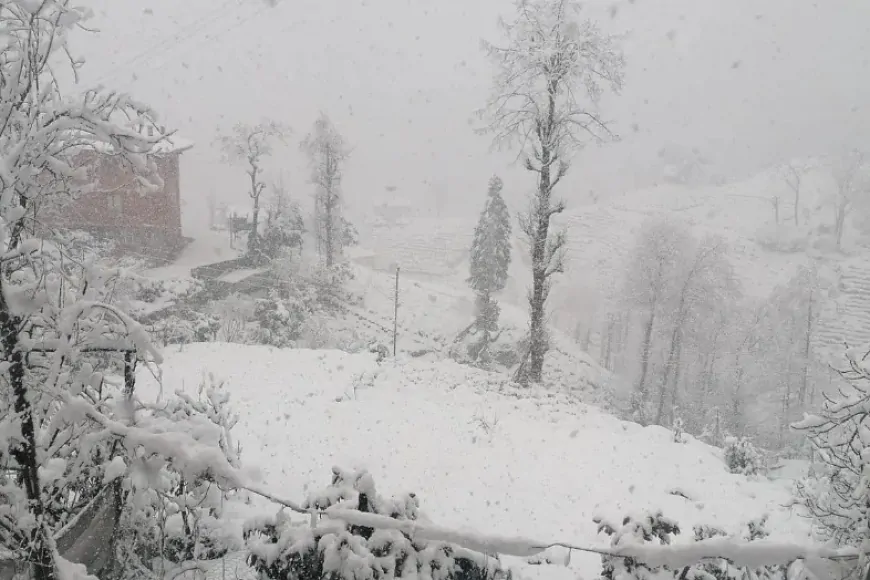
pixel 431 314
pixel 207 247
pixel 601 235
pixel 479 453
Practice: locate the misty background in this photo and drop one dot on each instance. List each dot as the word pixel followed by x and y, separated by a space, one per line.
pixel 748 84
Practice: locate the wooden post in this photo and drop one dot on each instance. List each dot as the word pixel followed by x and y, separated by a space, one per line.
pixel 396 313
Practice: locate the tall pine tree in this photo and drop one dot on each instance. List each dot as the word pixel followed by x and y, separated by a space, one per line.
pixel 490 258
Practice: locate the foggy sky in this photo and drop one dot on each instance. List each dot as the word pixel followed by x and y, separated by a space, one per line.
pixel 750 83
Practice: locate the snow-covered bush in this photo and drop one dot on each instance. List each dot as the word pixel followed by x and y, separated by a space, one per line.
pixel 723 569
pixel 713 431
pixel 172 517
pixel 186 327
pixel 647 528
pixel 658 529
pixel 316 334
pixel 284 227
pixel 330 286
pixel 742 457
pixel 280 549
pixel 236 314
pixel 280 319
pixel 380 351
pixel 678 430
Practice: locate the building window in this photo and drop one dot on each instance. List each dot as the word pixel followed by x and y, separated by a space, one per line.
pixel 116 202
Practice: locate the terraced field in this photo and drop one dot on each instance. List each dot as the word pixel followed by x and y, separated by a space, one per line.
pixel 846 320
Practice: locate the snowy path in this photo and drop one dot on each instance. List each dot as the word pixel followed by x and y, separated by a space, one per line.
pixel 207 247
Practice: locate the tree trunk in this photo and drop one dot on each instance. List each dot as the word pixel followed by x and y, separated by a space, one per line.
pixel 675 391
pixel 669 366
pixel 611 339
pixel 254 235
pixel 736 402
pixel 329 231
pixel 802 394
pixel 639 400
pixel 602 350
pixel 797 203
pixel 537 331
pixel 786 400
pixel 330 206
pixel 41 551
pixel 841 222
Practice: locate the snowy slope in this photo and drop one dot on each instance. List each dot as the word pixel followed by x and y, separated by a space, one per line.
pixel 431 314
pixel 479 455
pixel 601 235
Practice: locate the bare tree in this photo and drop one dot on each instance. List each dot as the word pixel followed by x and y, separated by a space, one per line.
pixel 651 276
pixel 249 146
pixel 548 79
pixel 706 280
pixel 853 181
pixel 327 152
pixel 793 178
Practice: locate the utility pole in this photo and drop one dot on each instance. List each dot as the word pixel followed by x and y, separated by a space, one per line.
pixel 396 313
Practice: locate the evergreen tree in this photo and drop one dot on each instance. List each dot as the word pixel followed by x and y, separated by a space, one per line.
pixel 490 258
pixel 327 153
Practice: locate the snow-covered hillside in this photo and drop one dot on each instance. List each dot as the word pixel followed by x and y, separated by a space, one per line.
pixel 478 452
pixel 755 217
pixel 432 314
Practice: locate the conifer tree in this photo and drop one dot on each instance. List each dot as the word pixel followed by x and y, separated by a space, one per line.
pixel 490 258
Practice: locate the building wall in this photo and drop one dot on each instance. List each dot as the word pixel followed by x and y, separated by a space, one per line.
pixel 114 207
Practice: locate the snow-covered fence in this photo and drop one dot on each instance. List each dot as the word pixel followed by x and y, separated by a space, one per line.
pixel 748 555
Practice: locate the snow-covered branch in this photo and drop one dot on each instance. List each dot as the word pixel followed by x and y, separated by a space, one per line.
pixel 744 554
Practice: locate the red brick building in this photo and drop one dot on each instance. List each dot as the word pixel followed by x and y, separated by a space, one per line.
pixel 139 220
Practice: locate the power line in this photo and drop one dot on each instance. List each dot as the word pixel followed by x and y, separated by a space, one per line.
pixel 203 39
pixel 166 42
pixel 206 39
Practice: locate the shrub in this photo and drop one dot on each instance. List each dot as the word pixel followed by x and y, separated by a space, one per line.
pixel 742 457
pixel 333 550
pixel 656 528
pixel 170 517
pixel 645 529
pixel 280 320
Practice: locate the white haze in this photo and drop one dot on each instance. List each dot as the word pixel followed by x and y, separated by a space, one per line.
pixel 748 83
